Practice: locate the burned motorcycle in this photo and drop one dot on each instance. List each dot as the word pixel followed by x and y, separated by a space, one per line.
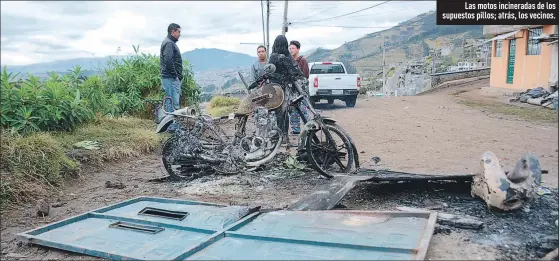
pixel 200 143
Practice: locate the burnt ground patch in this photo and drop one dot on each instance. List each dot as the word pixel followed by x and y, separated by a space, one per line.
pixel 527 233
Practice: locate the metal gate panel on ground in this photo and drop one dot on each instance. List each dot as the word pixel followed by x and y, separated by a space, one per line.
pixel 166 229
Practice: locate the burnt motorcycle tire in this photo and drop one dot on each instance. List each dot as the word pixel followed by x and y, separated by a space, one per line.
pixel 167 149
pixel 311 155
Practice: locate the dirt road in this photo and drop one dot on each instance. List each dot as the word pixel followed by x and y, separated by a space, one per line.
pixel 426 134
pixel 435 134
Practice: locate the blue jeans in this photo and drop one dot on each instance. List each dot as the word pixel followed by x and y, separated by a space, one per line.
pixel 172 88
pixel 295 119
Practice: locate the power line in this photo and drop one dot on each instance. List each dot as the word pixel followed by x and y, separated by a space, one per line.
pixel 354 16
pixel 361 10
pixel 318 46
pixel 306 18
pixel 349 26
pixel 385 12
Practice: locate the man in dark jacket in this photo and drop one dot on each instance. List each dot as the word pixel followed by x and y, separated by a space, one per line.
pixel 171 67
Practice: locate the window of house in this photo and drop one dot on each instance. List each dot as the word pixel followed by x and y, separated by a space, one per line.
pixel 534 46
pixel 498 48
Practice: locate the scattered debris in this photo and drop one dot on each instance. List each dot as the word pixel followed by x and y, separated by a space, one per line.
pixel 326 197
pixel 553 255
pixel 292 163
pixel 507 191
pixel 537 96
pixel 43 208
pixel 459 221
pixel 88 145
pixel 161 179
pixel 58 204
pixel 543 191
pixel 15 255
pixel 442 229
pixel 524 232
pixel 116 184
pixel 375 160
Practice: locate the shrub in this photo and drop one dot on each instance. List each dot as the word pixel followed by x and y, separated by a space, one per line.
pixel 136 78
pixel 34 105
pixel 60 103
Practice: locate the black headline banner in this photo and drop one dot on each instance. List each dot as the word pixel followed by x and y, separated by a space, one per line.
pixel 497 12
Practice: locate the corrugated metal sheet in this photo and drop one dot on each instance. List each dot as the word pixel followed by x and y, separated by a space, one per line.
pixel 164 229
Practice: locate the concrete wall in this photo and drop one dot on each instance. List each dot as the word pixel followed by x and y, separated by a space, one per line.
pixel 494 30
pixel 530 71
pixel 439 78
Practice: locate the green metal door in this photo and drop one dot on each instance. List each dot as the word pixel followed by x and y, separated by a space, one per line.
pixel 512 51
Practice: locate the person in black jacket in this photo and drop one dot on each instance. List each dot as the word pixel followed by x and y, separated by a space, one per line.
pixel 171 67
pixel 287 67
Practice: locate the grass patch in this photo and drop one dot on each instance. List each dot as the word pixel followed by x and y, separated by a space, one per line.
pixel 221 105
pixel 391 72
pixel 536 114
pixel 32 166
pixel 118 138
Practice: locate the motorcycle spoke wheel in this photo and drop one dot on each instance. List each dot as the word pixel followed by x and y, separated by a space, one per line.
pixel 174 168
pixel 271 152
pixel 329 151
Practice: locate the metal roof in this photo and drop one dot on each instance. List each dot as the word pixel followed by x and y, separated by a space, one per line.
pixel 165 229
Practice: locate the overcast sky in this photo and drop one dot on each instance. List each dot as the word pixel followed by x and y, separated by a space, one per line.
pixel 34 32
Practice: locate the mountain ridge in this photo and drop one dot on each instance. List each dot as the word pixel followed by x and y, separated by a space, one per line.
pixel 201 59
pixel 409 40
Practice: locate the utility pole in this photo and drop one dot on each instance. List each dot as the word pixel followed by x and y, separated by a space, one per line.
pixel 383 71
pixel 263 29
pixel 434 60
pixel 268 27
pixel 284 25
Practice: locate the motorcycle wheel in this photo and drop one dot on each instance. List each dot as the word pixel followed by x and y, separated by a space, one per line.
pixel 277 144
pixel 322 155
pixel 176 171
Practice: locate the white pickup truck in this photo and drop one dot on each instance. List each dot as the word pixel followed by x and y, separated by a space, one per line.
pixel 330 81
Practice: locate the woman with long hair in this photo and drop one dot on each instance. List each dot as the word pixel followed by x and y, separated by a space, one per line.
pixel 286 66
pixel 281 47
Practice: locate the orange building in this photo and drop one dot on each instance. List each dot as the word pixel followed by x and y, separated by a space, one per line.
pixel 518 60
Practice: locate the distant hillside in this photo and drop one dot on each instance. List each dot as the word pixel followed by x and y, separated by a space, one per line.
pixel 205 59
pixel 409 40
pixel 201 60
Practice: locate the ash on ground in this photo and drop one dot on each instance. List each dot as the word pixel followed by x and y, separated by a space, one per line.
pixel 528 233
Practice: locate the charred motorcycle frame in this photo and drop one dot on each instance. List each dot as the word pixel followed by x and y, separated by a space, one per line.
pixel 200 143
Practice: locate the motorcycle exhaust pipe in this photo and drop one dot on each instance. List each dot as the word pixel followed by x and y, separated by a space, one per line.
pixel 190 157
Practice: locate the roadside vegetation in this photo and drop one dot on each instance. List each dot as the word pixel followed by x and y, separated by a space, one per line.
pixel 222 105
pixel 51 127
pixel 535 114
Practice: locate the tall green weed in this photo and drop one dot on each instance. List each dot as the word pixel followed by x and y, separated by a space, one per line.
pixel 60 103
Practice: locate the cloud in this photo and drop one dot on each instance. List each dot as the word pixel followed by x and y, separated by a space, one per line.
pixel 34 32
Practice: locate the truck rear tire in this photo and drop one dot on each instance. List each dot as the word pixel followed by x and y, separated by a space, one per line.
pixel 350 102
pixel 331 101
pixel 313 103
